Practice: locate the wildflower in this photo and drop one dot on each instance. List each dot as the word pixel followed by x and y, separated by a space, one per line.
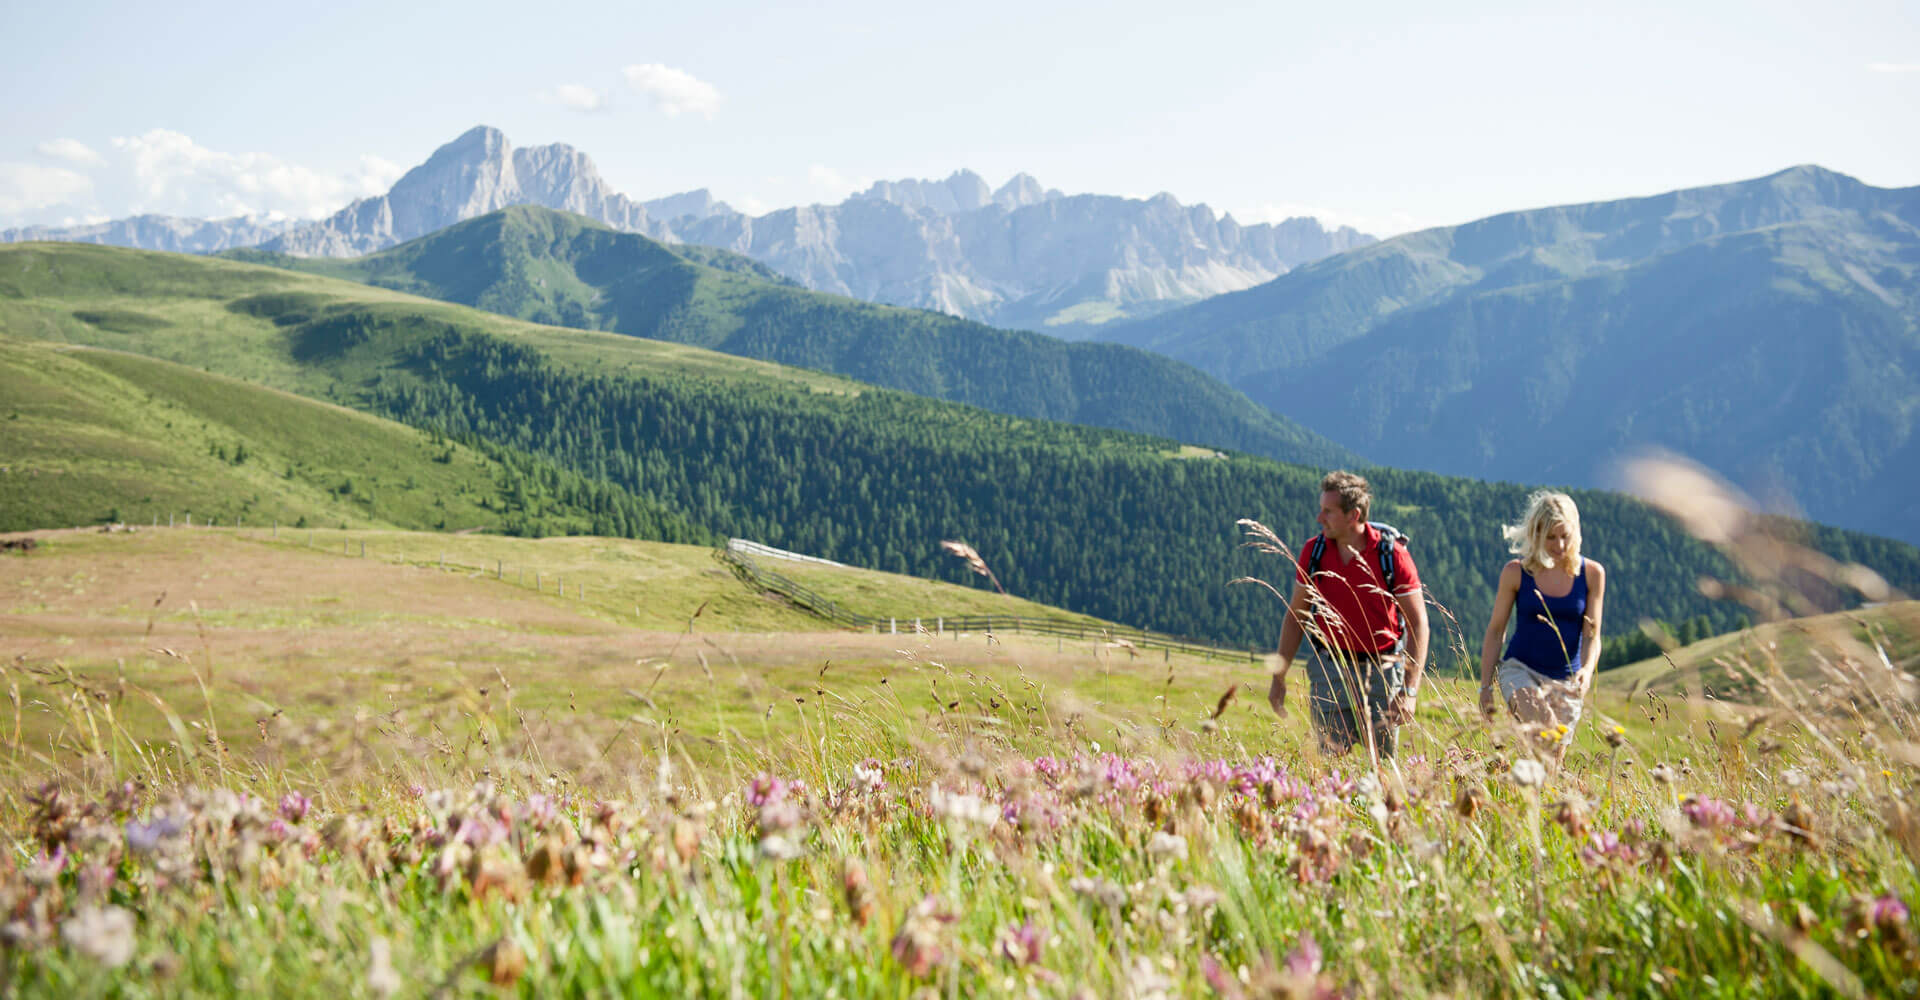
pixel 686 839
pixel 1708 813
pixel 504 962
pixel 1099 890
pixel 780 847
pixel 1528 772
pixel 1798 822
pixel 1147 981
pixel 1794 777
pixel 1021 945
pixel 1469 801
pixel 146 838
pixel 1304 961
pixel 294 807
pixel 961 809
pixel 1571 815
pixel 1887 914
pixel 765 788
pixel 869 776
pixel 102 933
pixel 1664 774
pixel 1616 736
pixel 382 980
pixel 920 945
pixel 857 891
pixel 1167 845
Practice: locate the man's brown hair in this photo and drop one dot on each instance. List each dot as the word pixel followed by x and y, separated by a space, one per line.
pixel 1354 494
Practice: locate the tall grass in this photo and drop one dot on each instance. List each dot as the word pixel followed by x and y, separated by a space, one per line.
pixel 1003 841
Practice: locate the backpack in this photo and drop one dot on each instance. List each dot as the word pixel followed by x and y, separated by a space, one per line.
pixel 1390 536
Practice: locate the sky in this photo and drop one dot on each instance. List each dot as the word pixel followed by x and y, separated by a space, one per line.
pixel 1387 116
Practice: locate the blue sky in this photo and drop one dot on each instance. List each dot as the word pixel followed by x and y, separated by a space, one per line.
pixel 1388 116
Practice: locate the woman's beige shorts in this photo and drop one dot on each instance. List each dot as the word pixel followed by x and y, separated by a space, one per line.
pixel 1562 698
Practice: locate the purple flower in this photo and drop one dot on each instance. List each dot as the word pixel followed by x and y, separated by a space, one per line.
pixel 1708 813
pixel 1887 913
pixel 1304 961
pixel 294 807
pixel 766 788
pixel 145 838
pixel 1021 945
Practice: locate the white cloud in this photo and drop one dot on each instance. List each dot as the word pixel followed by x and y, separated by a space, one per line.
pixel 579 98
pixel 674 90
pixel 749 204
pixel 71 150
pixel 27 187
pixel 172 174
pixel 1880 67
pixel 376 175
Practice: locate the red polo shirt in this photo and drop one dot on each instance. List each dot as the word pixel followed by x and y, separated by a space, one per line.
pixel 1362 618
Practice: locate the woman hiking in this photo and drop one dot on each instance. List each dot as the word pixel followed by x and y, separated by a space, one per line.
pixel 1549 663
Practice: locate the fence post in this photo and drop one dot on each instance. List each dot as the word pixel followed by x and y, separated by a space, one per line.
pixel 363 548
pixel 893 625
pixel 940 625
pixel 169 519
pixel 189 519
pixel 276 527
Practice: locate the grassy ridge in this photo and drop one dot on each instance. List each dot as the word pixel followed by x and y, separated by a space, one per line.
pixel 95 436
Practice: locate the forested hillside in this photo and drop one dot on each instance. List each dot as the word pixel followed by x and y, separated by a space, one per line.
pixel 551 267
pixel 1769 328
pixel 1096 521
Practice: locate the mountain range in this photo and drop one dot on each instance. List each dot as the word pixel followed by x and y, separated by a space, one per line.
pixel 567 270
pixel 1021 256
pixel 1770 328
pixel 530 429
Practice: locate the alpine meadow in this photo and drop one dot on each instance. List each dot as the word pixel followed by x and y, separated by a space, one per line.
pixel 500 585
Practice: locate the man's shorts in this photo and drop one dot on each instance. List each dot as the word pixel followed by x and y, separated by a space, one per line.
pixel 1343 688
pixel 1561 698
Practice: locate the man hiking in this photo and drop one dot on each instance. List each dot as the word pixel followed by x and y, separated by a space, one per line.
pixel 1357 597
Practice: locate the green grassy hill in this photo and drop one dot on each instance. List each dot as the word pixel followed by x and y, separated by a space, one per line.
pixel 1127 528
pixel 93 435
pixel 566 270
pixel 1842 648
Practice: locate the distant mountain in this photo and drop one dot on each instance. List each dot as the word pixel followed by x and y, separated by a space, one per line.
pixel 1020 256
pixel 1770 328
pixel 162 232
pixel 566 270
pixel 477 173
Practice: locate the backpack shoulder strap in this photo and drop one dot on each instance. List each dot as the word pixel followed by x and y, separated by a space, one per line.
pixel 1313 555
pixel 1390 536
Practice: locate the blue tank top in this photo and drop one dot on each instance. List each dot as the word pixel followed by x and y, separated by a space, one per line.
pixel 1547 636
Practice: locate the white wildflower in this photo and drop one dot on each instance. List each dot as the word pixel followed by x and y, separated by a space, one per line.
pixel 102 933
pixel 964 809
pixel 779 847
pixel 1528 772
pixel 1167 845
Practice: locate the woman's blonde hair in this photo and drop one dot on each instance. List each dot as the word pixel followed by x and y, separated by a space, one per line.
pixel 1528 539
